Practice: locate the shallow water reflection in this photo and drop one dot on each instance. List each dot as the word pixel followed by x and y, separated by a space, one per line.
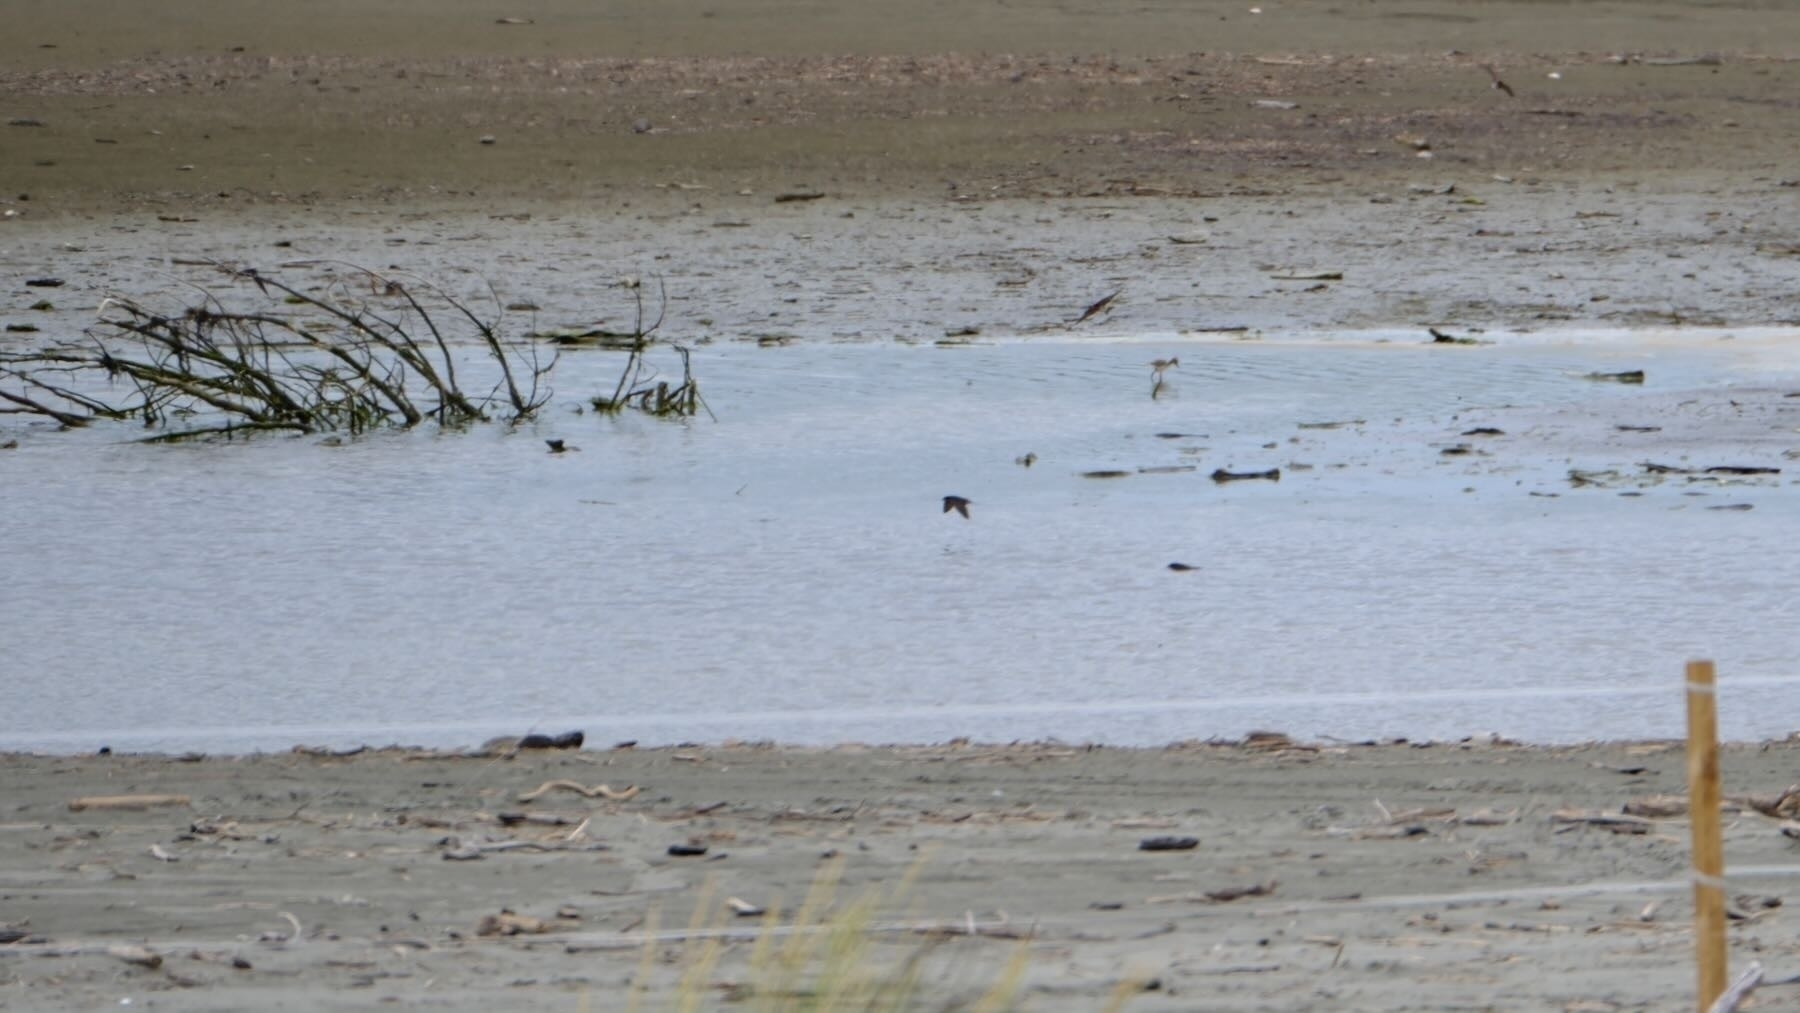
pixel 787 571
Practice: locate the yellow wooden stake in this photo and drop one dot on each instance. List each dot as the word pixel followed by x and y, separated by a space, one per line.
pixel 1703 814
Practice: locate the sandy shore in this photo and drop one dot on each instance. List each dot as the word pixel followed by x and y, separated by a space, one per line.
pixel 1393 876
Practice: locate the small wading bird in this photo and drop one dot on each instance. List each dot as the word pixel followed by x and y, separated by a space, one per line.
pixel 1157 369
pixel 559 447
pixel 958 504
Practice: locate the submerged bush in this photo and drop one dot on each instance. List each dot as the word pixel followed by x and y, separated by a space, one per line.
pixel 376 351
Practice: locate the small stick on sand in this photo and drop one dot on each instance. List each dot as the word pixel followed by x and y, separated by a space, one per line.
pixel 597 791
pixel 127 802
pixel 1739 989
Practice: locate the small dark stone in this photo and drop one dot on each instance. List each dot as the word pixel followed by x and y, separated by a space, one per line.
pixel 567 740
pixel 687 850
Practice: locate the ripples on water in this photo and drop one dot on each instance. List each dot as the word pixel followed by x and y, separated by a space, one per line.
pixel 787 572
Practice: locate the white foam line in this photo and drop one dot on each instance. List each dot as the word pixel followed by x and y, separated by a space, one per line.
pixel 740 721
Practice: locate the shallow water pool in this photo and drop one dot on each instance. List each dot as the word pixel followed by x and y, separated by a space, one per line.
pixel 786 571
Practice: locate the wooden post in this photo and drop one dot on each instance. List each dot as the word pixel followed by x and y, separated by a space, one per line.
pixel 1703 814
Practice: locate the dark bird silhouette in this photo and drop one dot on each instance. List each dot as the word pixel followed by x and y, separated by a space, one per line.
pixel 1499 85
pixel 1182 567
pixel 1097 307
pixel 958 504
pixel 559 447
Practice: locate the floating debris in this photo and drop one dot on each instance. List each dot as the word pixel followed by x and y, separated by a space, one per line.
pixel 567 740
pixel 598 337
pixel 1444 338
pixel 1628 376
pixel 1222 476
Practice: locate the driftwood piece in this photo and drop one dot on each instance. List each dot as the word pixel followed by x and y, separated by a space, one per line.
pixel 1222 476
pixel 1168 844
pixel 140 956
pixel 1223 895
pixel 1657 806
pixel 508 819
pixel 567 740
pixel 1618 823
pixel 127 802
pixel 597 791
pixel 1738 990
pixel 509 923
pixel 1783 806
pixel 456 850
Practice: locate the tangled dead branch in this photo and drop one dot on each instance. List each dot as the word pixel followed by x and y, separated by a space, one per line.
pixel 638 386
pixel 294 360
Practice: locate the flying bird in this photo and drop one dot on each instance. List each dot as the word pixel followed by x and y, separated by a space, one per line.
pixel 1499 85
pixel 559 447
pixel 1097 307
pixel 958 504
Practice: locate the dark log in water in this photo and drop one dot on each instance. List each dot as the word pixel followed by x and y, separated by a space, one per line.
pixel 1222 476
